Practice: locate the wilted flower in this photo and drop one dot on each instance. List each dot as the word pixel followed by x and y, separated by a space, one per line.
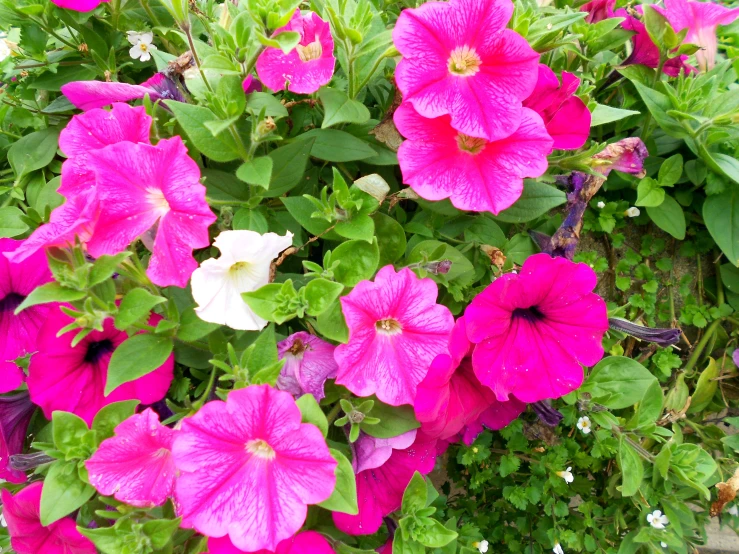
pixel 546 413
pixel 626 155
pixel 633 211
pixel 309 362
pixel 661 337
pixel 87 95
pixel 142 45
pixel 584 425
pixel 657 519
pixel 16 411
pixel 566 475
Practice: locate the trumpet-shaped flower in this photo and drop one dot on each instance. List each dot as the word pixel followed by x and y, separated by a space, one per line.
pixel 248 468
pixel 22 513
pixel 475 174
pixel 309 362
pixel 16 411
pixel 244 266
pixel 598 10
pixel 87 95
pixel 152 192
pixel 460 60
pixel 307 542
pixel 396 329
pixel 79 5
pixel 135 466
pixel 308 66
pixel 72 378
pixel 533 330
pixel 565 116
pixel 19 332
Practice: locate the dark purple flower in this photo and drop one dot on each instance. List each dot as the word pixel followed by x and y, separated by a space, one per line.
pixel 661 337
pixel 16 411
pixel 309 361
pixel 548 415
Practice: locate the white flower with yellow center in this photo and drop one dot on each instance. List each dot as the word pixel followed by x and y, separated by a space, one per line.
pixel 142 46
pixel 657 519
pixel 558 548
pixel 482 546
pixel 244 266
pixel 566 475
pixel 584 425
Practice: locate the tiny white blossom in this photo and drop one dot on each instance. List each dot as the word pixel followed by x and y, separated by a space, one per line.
pixel 657 519
pixel 143 47
pixel 4 49
pixel 3 523
pixel 601 204
pixel 733 510
pixel 558 548
pixel 566 475
pixel 633 211
pixel 663 544
pixel 584 425
pixel 482 546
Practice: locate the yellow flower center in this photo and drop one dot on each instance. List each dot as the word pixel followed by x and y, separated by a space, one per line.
pixel 310 51
pixel 261 449
pixel 389 326
pixel 471 145
pixel 464 61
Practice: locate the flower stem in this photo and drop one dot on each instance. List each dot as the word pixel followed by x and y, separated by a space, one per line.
pixel 695 356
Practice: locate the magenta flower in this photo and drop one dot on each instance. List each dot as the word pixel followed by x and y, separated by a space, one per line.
pixel 701 19
pixel 439 162
pixel 307 542
pixel 309 66
pixel 19 332
pixel 87 95
pixel 566 117
pixel 135 466
pixel 152 192
pixel 250 84
pixel 370 452
pixel 79 5
pixel 249 468
pixel 460 60
pixel 22 513
pixel 598 10
pixel 380 489
pixel 497 416
pixel 72 378
pixel 395 329
pixel 16 411
pixel 533 330
pixel 309 362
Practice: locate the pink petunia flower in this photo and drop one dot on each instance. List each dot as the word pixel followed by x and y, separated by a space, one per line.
pixel 566 116
pixel 497 416
pixel 701 19
pixel 16 411
pixel 534 329
pixel 79 5
pixel 598 10
pixel 439 162
pixel 22 513
pixel 87 95
pixel 309 362
pixel 309 66
pixel 19 332
pixel 248 468
pixel 307 542
pixel 395 329
pixel 135 466
pixel 386 548
pixel 371 452
pixel 380 489
pixel 152 192
pixel 250 84
pixel 460 60
pixel 72 378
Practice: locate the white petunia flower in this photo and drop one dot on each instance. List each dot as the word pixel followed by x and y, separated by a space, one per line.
pixel 558 548
pixel 244 266
pixel 566 475
pixel 657 519
pixel 633 211
pixel 142 45
pixel 663 544
pixel 584 425
pixel 4 49
pixel 601 204
pixel 733 510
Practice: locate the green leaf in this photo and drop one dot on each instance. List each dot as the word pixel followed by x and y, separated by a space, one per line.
pixel 33 151
pixel 256 172
pixel 649 407
pixel 662 460
pixel 344 497
pixel 220 64
pixel 705 389
pixel 112 415
pixel 360 227
pixel 192 327
pixel 68 430
pixel 331 325
pixel 339 108
pixel 136 305
pixel 50 292
pixel 603 114
pixel 161 531
pixel 264 351
pixel 435 535
pixel 320 294
pixel 462 271
pixel 192 119
pixel 415 495
pixel 106 539
pixel 11 222
pixel 394 420
pixel 632 468
pixel 135 357
pixel 721 216
pixel 358 261
pixel 63 492
pixel 390 238
pixel 288 166
pixel 670 171
pixel 618 382
pixel 250 220
pixel 312 412
pixel 669 217
pixel 658 105
pixel 728 165
pixel 332 145
pixel 649 193
pixel 264 300
pixel 104 267
pixel 536 200
pixel 271 105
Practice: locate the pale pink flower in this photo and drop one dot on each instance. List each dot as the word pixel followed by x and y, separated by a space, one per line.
pixel 460 60
pixel 22 513
pixel 534 329
pixel 309 362
pixel 135 466
pixel 566 116
pixel 598 10
pixel 87 95
pixel 248 468
pixel 395 329
pixel 307 542
pixel 309 66
pixel 151 192
pixel 439 162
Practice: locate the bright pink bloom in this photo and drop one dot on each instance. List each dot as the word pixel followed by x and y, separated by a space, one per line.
pixel 87 95
pixel 309 362
pixel 19 332
pixel 439 162
pixel 371 452
pixel 249 468
pixel 152 192
pixel 701 19
pixel 534 329
pixel 395 329
pixel 566 117
pixel 380 490
pixel 460 60
pixel 496 417
pixel 22 513
pixel 307 542
pixel 135 466
pixel 598 10
pixel 16 411
pixel 79 5
pixel 72 378
pixel 250 84
pixel 386 548
pixel 309 66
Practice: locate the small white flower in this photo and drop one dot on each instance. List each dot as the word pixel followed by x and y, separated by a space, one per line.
pixel 633 211
pixel 4 49
pixel 482 546
pixel 657 519
pixel 663 544
pixel 584 425
pixel 142 48
pixel 601 204
pixel 3 523
pixel 558 548
pixel 733 510
pixel 566 475
pixel 244 266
